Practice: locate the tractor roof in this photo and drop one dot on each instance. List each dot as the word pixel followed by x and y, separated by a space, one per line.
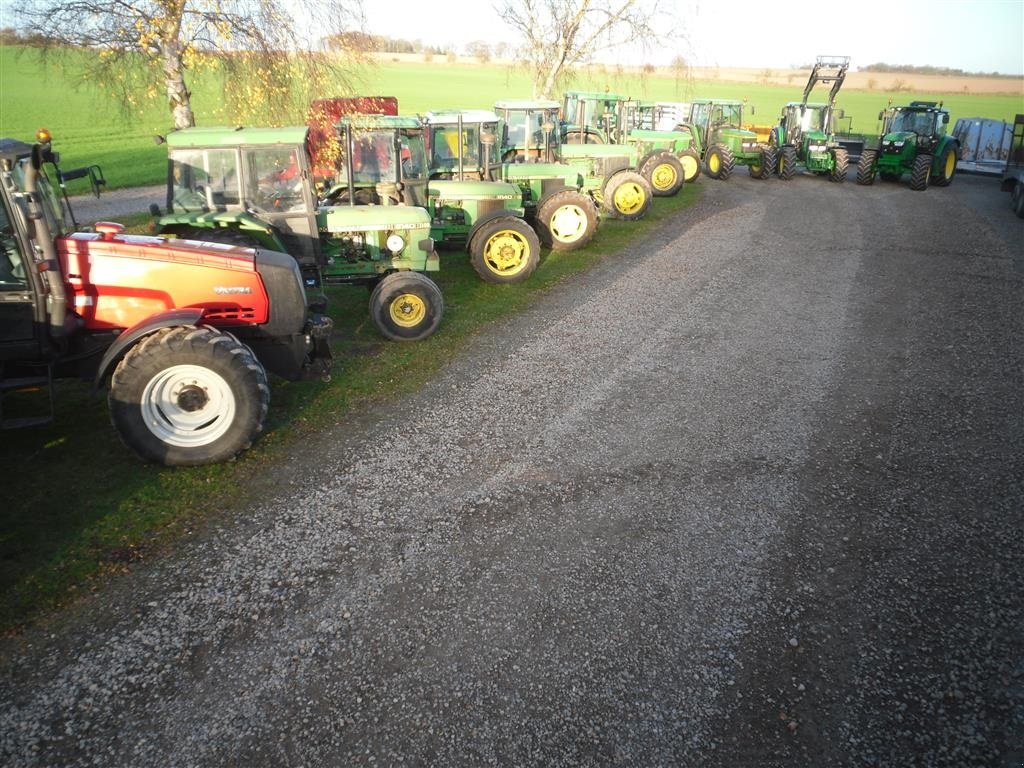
pixel 224 135
pixel 809 105
pixel 13 150
pixel 595 95
pixel 921 106
pixel 443 116
pixel 527 104
pixel 729 102
pixel 386 122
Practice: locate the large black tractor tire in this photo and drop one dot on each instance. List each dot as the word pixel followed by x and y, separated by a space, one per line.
pixel 719 162
pixel 406 306
pixel 187 395
pixel 627 196
pixel 690 160
pixel 566 220
pixel 664 173
pixel 787 162
pixel 947 167
pixel 764 169
pixel 921 172
pixel 505 250
pixel 866 167
pixel 840 164
pixel 1017 199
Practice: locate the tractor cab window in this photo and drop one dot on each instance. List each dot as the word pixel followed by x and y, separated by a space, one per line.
pixel 445 143
pixel 12 265
pixel 274 179
pixel 726 115
pixel 921 123
pixel 48 198
pixel 413 153
pixel 204 180
pixel 373 159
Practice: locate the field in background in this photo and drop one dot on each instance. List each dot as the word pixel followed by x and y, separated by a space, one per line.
pixel 89 126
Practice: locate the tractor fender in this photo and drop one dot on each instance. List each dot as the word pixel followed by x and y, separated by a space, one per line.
pixel 554 192
pixel 648 156
pixel 489 217
pixel 246 224
pixel 944 142
pixel 128 337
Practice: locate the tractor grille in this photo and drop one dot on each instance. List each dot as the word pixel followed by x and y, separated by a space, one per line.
pixel 229 313
pixel 489 206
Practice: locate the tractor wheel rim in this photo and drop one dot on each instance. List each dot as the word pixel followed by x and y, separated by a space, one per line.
pixel 506 253
pixel 950 164
pixel 407 310
pixel 568 224
pixel 714 164
pixel 628 198
pixel 664 177
pixel 188 406
pixel 690 167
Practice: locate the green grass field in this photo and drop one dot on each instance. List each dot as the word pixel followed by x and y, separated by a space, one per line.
pixel 90 127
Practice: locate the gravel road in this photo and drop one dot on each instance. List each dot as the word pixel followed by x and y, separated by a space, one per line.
pixel 117 203
pixel 748 494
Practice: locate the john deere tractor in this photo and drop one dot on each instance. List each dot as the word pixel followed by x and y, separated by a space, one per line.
pixel 805 134
pixel 913 141
pixel 389 165
pixel 608 171
pixel 253 186
pixel 462 144
pixel 723 144
pixel 591 117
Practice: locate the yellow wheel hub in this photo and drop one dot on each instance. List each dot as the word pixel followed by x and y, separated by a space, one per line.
pixel 507 253
pixel 629 198
pixel 714 163
pixel 950 164
pixel 664 177
pixel 568 224
pixel 690 167
pixel 407 310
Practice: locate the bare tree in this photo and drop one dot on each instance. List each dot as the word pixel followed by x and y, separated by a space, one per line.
pixel 561 34
pixel 142 47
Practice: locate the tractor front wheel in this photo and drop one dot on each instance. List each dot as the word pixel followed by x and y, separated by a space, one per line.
pixel 787 162
pixel 505 250
pixel 664 173
pixel 690 161
pixel 765 167
pixel 840 162
pixel 1017 200
pixel 188 395
pixel 947 167
pixel 866 167
pixel 921 172
pixel 406 306
pixel 719 162
pixel 627 196
pixel 566 220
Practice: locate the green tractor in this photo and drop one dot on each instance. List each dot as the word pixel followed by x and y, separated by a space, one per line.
pixel 530 134
pixel 251 187
pixel 461 145
pixel 805 134
pixel 913 141
pixel 607 118
pixel 638 120
pixel 723 144
pixel 390 165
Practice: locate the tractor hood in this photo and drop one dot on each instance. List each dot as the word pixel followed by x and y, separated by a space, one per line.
pixel 474 190
pixel 371 218
pixel 739 134
pixel 897 140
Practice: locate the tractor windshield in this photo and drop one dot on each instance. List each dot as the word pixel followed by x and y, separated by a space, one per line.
pixel 444 146
pixel 50 202
pixel 382 156
pixel 921 123
pixel 273 179
pixel 526 129
pixel 718 115
pixel 204 180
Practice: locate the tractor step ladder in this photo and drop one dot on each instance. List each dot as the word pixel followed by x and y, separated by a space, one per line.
pixel 24 385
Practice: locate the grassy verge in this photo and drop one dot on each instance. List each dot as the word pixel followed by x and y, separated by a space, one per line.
pixel 78 505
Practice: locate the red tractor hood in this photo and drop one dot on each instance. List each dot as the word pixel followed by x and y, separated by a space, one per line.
pixel 116 281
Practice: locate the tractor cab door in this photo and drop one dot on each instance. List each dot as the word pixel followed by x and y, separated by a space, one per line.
pixel 17 301
pixel 277 187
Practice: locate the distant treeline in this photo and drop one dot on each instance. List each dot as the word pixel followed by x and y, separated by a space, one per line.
pixel 909 69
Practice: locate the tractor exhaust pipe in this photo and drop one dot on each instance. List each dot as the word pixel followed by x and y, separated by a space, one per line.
pixel 350 148
pixel 56 299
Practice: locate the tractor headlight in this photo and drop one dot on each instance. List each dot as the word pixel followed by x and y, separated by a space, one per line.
pixel 395 243
pixel 898 143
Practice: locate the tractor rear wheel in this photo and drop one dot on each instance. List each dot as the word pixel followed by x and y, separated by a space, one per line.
pixel 787 162
pixel 188 395
pixel 866 167
pixel 766 167
pixel 406 306
pixel 505 250
pixel 921 172
pixel 690 161
pixel 840 162
pixel 664 173
pixel 1017 199
pixel 719 162
pixel 947 167
pixel 627 196
pixel 566 220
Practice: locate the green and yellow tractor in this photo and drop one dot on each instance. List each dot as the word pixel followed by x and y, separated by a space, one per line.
pixel 715 125
pixel 805 134
pixel 913 141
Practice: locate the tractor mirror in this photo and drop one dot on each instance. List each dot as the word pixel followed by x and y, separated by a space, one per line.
pixel 840 114
pixel 752 110
pixel 880 114
pixel 945 118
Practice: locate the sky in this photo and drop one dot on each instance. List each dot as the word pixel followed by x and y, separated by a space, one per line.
pixel 972 35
